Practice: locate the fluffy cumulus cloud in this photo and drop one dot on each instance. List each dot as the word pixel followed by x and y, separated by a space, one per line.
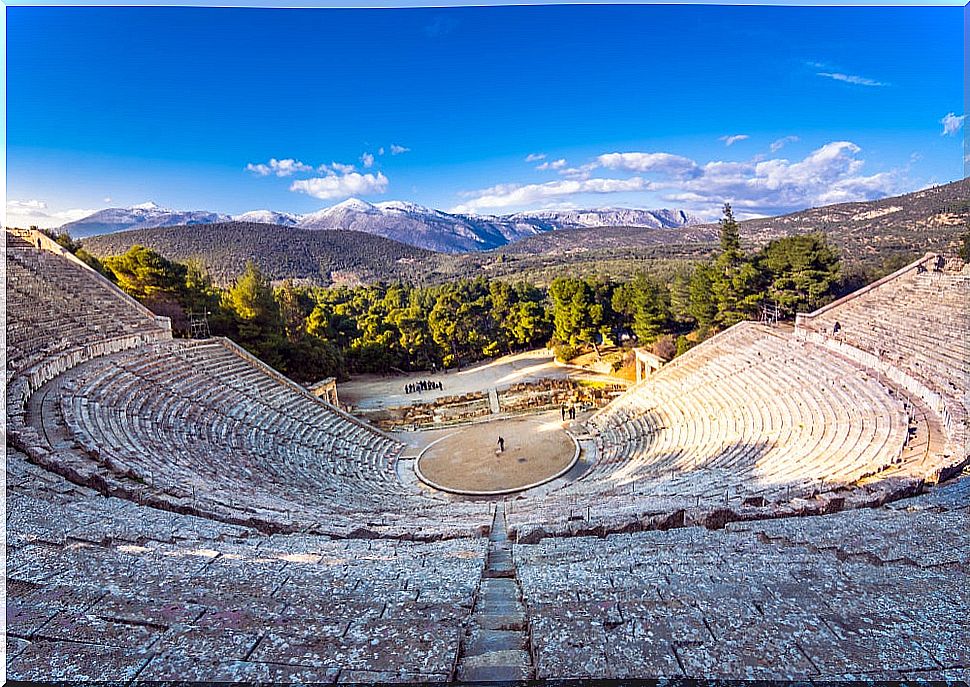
pixel 29 213
pixel 780 143
pixel 832 173
pixel 281 168
pixel 829 174
pixel 341 185
pixel 952 123
pixel 852 79
pixel 535 157
pixel 399 150
pixel 334 180
pixel 731 140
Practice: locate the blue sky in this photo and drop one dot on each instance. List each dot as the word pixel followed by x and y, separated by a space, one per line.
pixel 487 109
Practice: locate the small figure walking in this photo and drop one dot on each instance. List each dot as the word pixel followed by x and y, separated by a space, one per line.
pixel 501 445
pixel 562 412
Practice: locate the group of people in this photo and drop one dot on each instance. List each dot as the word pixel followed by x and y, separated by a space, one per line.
pixel 570 411
pixel 423 385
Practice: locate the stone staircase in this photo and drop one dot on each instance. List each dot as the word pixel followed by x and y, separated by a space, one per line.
pixel 496 644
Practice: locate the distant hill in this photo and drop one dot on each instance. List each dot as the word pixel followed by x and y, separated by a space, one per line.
pixel 408 223
pixel 571 241
pixel 913 223
pixel 321 257
pixel 142 216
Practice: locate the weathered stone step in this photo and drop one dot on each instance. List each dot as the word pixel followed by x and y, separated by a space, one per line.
pixel 514 620
pixel 481 641
pixel 495 645
pixel 499 587
pixel 496 666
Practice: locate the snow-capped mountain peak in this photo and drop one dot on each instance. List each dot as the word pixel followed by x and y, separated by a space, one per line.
pixel 149 205
pixel 404 206
pixel 350 205
pixel 286 219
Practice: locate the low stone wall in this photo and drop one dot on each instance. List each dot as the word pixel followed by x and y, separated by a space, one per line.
pixel 553 393
pixel 441 411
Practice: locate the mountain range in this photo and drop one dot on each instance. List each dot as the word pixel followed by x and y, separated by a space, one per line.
pixel 401 221
pixel 867 234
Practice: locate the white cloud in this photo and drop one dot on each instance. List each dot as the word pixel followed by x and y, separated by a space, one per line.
pixel 731 140
pixel 952 123
pixel 852 78
pixel 341 185
pixel 367 159
pixel 555 164
pixel 281 168
pixel 829 174
pixel 535 157
pixel 26 205
pixel 832 173
pixel 399 150
pixel 107 199
pixel 380 151
pixel 340 168
pixel 514 195
pixel 782 142
pixel 663 163
pixel 28 213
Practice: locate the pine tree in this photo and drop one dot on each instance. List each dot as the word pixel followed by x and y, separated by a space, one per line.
pixel 730 234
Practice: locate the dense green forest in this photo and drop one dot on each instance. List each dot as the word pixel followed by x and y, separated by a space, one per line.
pixel 311 332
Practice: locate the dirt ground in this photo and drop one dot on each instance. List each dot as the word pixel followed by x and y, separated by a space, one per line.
pixel 374 391
pixel 467 458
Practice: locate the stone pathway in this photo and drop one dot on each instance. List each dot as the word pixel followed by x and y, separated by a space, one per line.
pixel 495 645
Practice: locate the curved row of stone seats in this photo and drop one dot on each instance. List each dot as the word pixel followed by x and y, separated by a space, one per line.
pixel 103 589
pixel 748 417
pixel 864 594
pixel 60 312
pixel 207 429
pixel 914 326
pixel 191 428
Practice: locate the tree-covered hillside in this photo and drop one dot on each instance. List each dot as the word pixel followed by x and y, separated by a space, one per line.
pixel 320 257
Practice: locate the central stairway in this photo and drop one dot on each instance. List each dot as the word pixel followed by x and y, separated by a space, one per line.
pixel 495 646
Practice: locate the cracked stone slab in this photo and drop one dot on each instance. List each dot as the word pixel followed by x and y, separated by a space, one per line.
pixel 146 611
pixel 637 650
pixel 225 643
pixel 95 630
pixel 745 659
pixel 179 667
pixel 377 677
pixel 51 660
pixel 23 620
pixel 15 646
pixel 426 648
pixel 573 649
pixel 859 652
